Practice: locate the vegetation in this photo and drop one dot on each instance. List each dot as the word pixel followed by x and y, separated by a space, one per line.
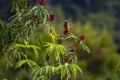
pixel 39 45
pixel 25 49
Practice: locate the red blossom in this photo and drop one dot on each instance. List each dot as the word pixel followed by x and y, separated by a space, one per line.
pixel 66 27
pixel 66 31
pixel 42 2
pixel 82 37
pixel 52 17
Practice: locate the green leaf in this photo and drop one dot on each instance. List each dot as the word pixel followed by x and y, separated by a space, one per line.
pixel 42 77
pixel 67 70
pixel 53 36
pixel 32 63
pixel 73 69
pixel 15 51
pixel 78 68
pixel 33 9
pixel 86 48
pixel 61 49
pixel 34 47
pixel 35 74
pixel 47 69
pixel 20 63
pixel 35 51
pixel 50 47
pixel 57 56
pixel 62 70
pixel 56 49
pixel 47 14
pixel 53 70
pixel 72 37
pixel 50 70
pixel 47 44
pixel 44 17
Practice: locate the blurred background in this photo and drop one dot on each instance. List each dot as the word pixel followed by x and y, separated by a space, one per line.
pixel 98 21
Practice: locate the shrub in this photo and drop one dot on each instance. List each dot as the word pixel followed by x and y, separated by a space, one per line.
pixel 25 47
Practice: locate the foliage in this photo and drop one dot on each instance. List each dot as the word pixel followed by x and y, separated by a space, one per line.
pixel 103 60
pixel 24 47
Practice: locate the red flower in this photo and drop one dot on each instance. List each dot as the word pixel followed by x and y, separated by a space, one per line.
pixel 66 27
pixel 52 17
pixel 42 2
pixel 66 31
pixel 82 38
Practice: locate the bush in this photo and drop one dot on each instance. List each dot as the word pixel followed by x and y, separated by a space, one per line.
pixel 31 47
